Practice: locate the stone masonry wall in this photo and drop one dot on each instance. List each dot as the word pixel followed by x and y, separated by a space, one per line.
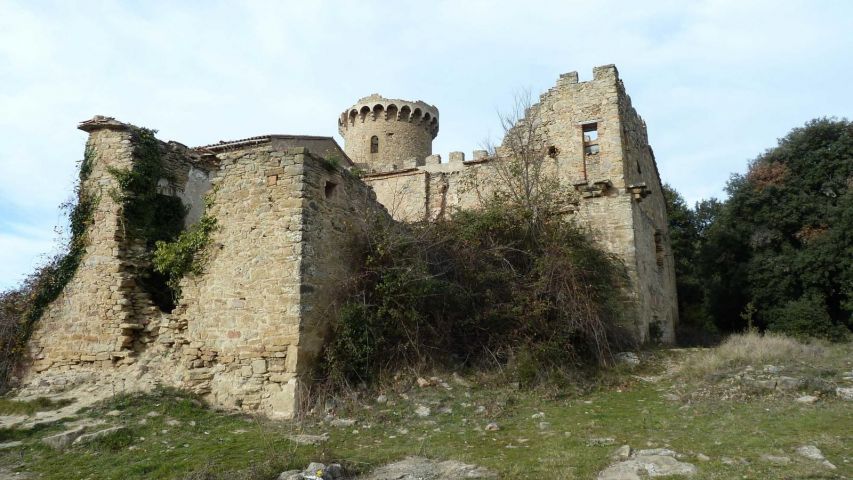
pixel 249 328
pixel 103 318
pixel 404 132
pixel 86 324
pixel 622 209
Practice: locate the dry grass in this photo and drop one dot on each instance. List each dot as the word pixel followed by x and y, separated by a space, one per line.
pixel 754 349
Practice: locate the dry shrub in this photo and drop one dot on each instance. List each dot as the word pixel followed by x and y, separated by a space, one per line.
pixel 755 349
pixel 484 288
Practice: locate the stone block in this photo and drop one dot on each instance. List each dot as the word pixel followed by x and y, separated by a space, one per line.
pixel 259 366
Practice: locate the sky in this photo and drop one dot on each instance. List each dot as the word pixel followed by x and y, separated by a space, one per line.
pixel 718 82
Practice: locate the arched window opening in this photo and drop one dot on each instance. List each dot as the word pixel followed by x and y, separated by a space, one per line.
pixel 374 144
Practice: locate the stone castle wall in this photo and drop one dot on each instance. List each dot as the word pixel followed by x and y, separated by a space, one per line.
pixel 622 208
pixel 248 330
pixel 250 326
pixel 103 317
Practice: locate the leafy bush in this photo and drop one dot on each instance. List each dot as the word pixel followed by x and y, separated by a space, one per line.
pixel 478 288
pixel 182 256
pixel 782 242
pixel 805 317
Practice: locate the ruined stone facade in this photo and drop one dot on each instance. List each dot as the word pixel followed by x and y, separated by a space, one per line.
pixel 288 210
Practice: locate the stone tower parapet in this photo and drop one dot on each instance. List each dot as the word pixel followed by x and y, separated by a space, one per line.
pixel 383 134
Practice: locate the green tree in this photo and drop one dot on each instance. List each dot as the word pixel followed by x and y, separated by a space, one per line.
pixel 784 239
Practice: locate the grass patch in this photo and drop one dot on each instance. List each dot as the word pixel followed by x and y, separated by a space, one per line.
pixel 29 407
pixel 173 436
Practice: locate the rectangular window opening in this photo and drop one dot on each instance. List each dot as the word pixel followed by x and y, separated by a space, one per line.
pixel 590 138
pixel 590 132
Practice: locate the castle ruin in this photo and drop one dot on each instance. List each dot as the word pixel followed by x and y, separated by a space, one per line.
pixel 247 330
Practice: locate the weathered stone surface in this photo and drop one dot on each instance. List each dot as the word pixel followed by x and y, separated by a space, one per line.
pixel 249 326
pixel 418 468
pixel 845 393
pixel 648 463
pixel 813 453
pixel 305 439
pixel 8 445
pixel 63 440
pixel 88 437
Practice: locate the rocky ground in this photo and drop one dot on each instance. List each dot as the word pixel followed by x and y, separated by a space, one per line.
pixel 660 413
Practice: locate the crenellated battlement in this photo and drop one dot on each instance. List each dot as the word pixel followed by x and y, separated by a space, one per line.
pixel 376 107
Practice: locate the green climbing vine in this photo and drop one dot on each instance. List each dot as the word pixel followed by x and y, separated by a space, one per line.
pixel 149 215
pixel 22 307
pixel 184 255
pixel 158 221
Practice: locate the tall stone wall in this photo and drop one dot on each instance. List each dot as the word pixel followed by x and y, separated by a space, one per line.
pixel 597 146
pixel 104 318
pixel 86 324
pixel 654 259
pixel 249 328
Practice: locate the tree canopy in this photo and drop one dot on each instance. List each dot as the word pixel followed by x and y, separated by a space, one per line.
pixel 779 252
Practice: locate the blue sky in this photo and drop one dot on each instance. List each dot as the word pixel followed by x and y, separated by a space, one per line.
pixel 717 81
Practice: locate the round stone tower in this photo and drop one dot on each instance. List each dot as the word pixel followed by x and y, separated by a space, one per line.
pixel 382 134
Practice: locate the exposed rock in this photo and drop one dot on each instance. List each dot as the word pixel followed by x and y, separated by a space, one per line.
pixel 621 453
pixel 807 399
pixel 702 457
pixel 813 453
pixel 318 471
pixel 88 437
pixel 418 468
pixel 845 393
pixel 8 445
pixel 422 411
pixel 789 383
pixel 382 399
pixel 780 460
pixel 492 427
pixel 599 441
pixel 61 441
pixel 423 382
pixel 627 358
pixel 657 462
pixel 342 422
pixel 305 439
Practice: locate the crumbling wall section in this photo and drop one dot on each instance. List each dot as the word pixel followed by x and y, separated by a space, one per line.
pixel 91 321
pixel 104 321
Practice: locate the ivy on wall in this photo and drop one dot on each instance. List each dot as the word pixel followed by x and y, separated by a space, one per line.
pixel 22 307
pixel 149 215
